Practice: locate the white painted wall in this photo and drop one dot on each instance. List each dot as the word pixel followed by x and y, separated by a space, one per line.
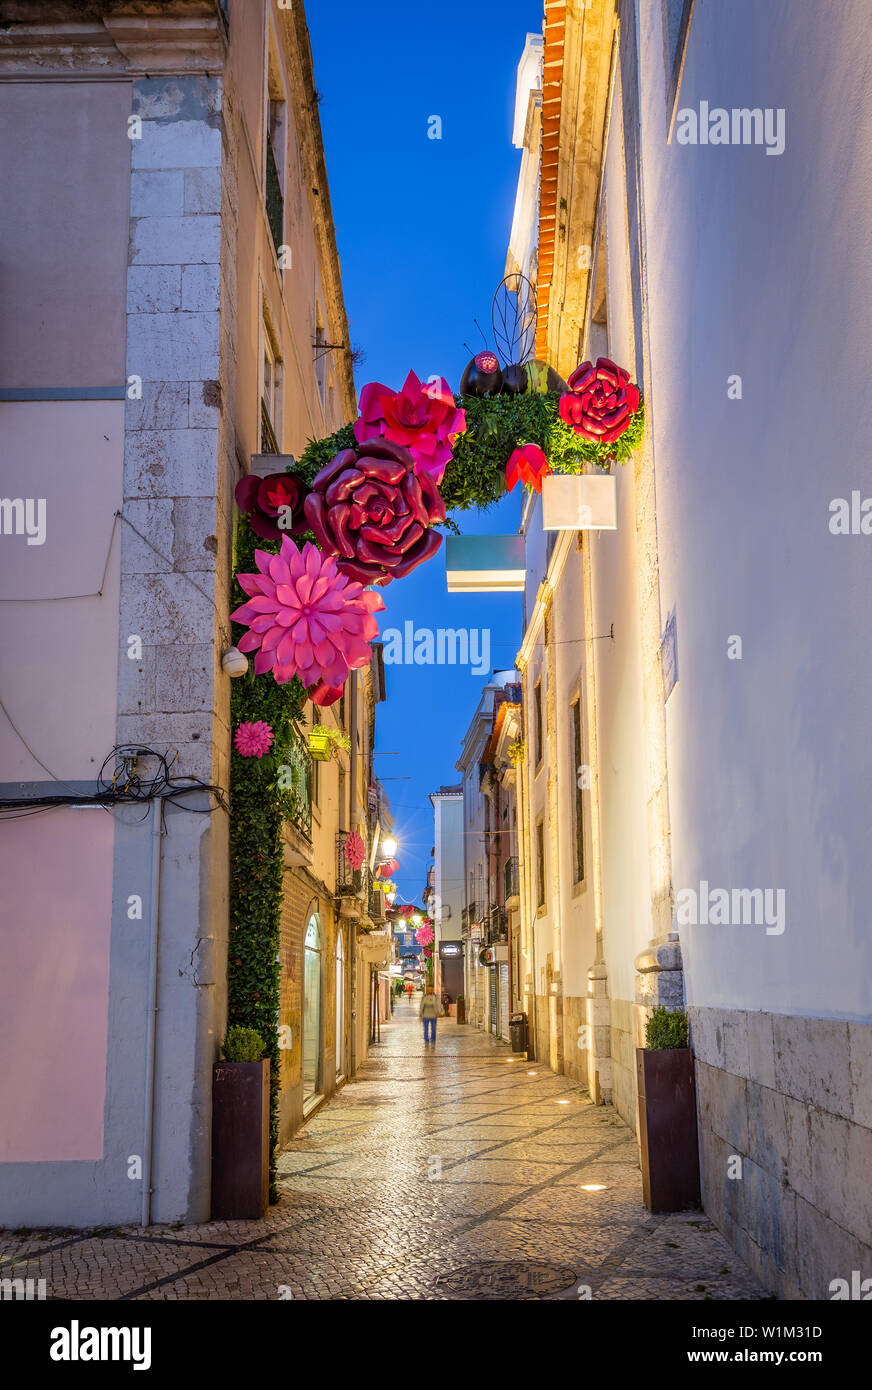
pixel 760 265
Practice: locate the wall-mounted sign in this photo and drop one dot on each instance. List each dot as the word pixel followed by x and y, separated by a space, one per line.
pixel 579 502
pixel 450 948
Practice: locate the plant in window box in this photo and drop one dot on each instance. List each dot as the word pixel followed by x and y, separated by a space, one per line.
pixel 667 1114
pixel 324 742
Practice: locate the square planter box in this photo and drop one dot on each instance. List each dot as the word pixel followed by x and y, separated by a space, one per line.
pixel 667 1128
pixel 579 502
pixel 240 1140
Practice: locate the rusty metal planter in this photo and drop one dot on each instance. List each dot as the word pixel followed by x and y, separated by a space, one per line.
pixel 240 1140
pixel 667 1128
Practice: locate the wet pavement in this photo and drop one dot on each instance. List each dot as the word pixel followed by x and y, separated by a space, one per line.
pixel 444 1172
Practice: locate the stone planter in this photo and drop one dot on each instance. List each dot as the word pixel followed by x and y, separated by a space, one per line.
pixel 461 1010
pixel 667 1128
pixel 240 1140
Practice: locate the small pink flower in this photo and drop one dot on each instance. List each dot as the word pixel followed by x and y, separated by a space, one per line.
pixel 253 740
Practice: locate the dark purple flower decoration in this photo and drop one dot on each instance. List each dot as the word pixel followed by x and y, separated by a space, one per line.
pixel 262 500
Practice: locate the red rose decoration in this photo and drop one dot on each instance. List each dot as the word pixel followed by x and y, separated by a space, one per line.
pixel 600 402
pixel 369 509
pixel 262 499
pixel 527 465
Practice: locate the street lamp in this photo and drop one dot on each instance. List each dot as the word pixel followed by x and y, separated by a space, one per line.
pixel 389 847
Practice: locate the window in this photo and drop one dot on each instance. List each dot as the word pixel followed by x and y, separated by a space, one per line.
pixel 537 707
pixel 270 394
pixel 577 763
pixel 320 352
pixel 275 145
pixel 540 864
pixel 676 16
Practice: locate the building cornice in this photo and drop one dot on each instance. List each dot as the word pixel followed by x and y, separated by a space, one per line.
pixel 54 41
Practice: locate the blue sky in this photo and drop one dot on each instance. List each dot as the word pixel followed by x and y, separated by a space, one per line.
pixel 423 227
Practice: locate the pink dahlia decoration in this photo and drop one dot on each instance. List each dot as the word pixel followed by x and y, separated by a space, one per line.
pixel 423 417
pixel 424 935
pixel 253 740
pixel 354 850
pixel 600 401
pixel 370 510
pixel 305 618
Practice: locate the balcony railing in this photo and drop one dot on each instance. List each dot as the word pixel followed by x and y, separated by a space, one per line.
pixel 497 925
pixel 296 785
pixel 275 203
pixel 510 879
pixel 348 881
pixel 376 907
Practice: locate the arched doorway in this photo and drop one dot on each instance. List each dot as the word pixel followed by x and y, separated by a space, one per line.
pixel 340 1002
pixel 312 1009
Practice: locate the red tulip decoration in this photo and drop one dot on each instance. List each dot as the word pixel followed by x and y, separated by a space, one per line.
pixel 600 402
pixel 368 508
pixel 527 465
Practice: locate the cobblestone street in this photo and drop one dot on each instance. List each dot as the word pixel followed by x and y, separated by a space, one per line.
pixel 442 1173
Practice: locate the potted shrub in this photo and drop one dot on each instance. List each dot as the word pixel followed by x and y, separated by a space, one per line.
pixel 461 1009
pixel 240 1128
pixel 667 1114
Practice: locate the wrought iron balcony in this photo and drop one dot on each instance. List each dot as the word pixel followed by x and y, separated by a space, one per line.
pixel 275 203
pixel 497 924
pixel 510 879
pixel 349 882
pixel 295 781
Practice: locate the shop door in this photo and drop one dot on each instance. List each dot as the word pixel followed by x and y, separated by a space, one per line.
pixel 493 976
pixel 312 1009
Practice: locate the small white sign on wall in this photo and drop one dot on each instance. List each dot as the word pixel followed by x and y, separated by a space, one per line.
pixel 579 502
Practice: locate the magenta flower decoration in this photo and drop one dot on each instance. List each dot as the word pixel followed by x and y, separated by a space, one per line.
pixel 423 418
pixel 354 850
pixel 305 618
pixel 374 513
pixel 424 935
pixel 253 740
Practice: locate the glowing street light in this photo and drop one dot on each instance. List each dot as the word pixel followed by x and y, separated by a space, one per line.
pixel 389 847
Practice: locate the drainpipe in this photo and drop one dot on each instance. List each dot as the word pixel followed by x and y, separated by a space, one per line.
pixel 151 1015
pixel 352 803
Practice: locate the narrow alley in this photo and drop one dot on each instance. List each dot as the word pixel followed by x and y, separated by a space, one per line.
pixel 454 1172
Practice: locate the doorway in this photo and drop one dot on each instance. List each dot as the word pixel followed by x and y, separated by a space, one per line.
pixel 494 1000
pixel 312 1010
pixel 340 1003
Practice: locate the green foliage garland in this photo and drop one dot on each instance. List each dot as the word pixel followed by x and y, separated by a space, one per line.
pixel 495 427
pixel 259 803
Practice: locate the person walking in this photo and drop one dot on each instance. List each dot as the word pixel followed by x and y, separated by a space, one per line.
pixel 429 1013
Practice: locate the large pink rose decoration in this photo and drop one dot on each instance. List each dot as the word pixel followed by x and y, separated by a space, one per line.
pixel 422 417
pixel 369 509
pixel 600 402
pixel 305 618
pixel 424 935
pixel 263 498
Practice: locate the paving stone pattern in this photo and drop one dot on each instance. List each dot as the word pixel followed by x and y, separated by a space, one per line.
pixel 448 1172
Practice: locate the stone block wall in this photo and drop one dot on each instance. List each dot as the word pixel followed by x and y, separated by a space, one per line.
pixel 791 1098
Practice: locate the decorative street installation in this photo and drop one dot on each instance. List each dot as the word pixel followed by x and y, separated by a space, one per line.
pixel 354 851
pixel 364 504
